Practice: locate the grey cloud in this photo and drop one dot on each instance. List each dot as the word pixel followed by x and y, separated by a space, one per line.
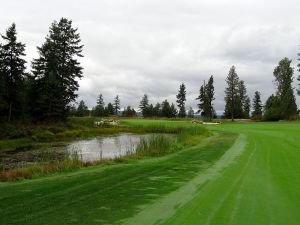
pixel 135 47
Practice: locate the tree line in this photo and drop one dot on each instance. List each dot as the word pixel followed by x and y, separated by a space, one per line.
pixel 48 91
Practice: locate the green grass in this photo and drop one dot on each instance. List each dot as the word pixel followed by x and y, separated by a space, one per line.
pixel 254 181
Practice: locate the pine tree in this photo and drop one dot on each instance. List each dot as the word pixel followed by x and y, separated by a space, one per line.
pixel 82 109
pixel 283 74
pixel 257 106
pixel 116 105
pixel 99 109
pixel 157 110
pixel 210 92
pixel 202 101
pixel 273 108
pixel 58 57
pixel 144 104
pixel 231 93
pixel 109 109
pixel 181 98
pixel 190 112
pixel 100 101
pixel 12 72
pixel 165 109
pixel 246 108
pixel 298 90
pixel 173 110
pixel 206 97
pixel 243 102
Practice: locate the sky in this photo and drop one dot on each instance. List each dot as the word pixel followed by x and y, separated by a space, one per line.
pixel 133 47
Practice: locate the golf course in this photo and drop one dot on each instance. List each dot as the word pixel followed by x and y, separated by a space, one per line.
pixel 241 173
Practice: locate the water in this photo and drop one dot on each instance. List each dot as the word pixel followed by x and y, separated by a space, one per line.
pixel 105 147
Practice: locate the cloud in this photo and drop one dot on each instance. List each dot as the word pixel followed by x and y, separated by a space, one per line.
pixel 135 47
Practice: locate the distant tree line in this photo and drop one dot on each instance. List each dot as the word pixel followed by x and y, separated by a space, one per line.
pixel 48 91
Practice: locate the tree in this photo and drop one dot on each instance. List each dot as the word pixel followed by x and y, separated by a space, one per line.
pixel 231 93
pixel 58 57
pixel 242 109
pixel 298 91
pixel 100 101
pixel 109 110
pixel 144 104
pixel 165 108
pixel 99 109
pixel 206 97
pixel 202 100
pixel 283 74
pixel 209 93
pixel 257 106
pixel 82 109
pixel 272 108
pixel 157 110
pixel 190 112
pixel 181 98
pixel 173 110
pixel 129 112
pixel 116 105
pixel 12 72
pixel 246 108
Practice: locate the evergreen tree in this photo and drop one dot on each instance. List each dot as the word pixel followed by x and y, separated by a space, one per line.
pixel 209 93
pixel 116 105
pixel 99 109
pixel 206 97
pixel 165 109
pixel 58 58
pixel 273 108
pixel 100 101
pixel 181 98
pixel 144 104
pixel 109 109
pixel 82 109
pixel 12 73
pixel 157 110
pixel 231 93
pixel 298 91
pixel 246 108
pixel 202 100
pixel 173 111
pixel 283 74
pixel 129 112
pixel 191 112
pixel 257 106
pixel 243 102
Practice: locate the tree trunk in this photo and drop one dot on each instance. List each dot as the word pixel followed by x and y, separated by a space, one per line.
pixel 9 111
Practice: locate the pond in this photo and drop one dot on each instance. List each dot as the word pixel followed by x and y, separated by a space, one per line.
pixel 105 147
pixel 102 147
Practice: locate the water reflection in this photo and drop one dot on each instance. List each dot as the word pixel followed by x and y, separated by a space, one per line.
pixel 105 147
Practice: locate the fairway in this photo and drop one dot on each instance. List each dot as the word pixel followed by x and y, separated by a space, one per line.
pixel 245 173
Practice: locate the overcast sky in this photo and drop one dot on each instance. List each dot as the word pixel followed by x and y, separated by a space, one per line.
pixel 132 47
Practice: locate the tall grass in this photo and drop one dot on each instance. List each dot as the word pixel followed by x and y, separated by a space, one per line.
pixel 156 145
